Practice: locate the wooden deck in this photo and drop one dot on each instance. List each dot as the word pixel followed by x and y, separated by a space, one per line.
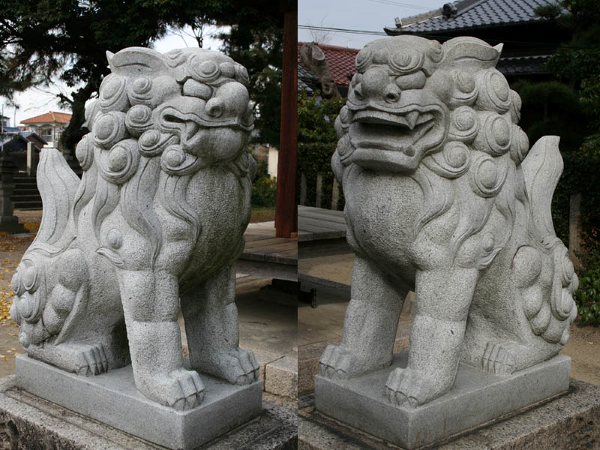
pixel 317 224
pixel 267 255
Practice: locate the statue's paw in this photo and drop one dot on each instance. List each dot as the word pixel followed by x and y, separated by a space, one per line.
pixel 413 388
pixel 181 389
pixel 91 360
pixel 497 359
pixel 337 362
pixel 237 366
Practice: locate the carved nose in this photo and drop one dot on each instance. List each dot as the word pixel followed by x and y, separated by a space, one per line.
pixel 376 85
pixel 214 107
pixel 391 93
pixel 374 82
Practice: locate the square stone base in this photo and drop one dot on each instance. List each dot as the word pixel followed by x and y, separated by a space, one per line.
pixel 112 398
pixel 476 399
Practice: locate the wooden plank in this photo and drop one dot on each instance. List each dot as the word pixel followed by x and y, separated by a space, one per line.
pixel 308 210
pixel 267 242
pixel 277 248
pixel 303 222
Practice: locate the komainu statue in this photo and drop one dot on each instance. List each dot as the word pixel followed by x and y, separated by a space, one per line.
pixel 153 228
pixel 444 197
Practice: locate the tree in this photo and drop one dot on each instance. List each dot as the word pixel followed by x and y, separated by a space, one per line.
pixel 68 39
pixel 576 64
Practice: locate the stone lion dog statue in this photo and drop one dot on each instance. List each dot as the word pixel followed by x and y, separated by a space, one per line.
pixel 444 197
pixel 153 228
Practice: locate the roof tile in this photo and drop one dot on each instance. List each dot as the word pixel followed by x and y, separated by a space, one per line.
pixel 477 14
pixel 49 117
pixel 340 61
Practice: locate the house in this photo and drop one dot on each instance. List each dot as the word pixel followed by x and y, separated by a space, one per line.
pixel 48 126
pixel 529 39
pixel 327 69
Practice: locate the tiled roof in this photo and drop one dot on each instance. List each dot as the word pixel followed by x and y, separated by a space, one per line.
pixel 523 65
pixel 340 61
pixel 474 14
pixel 49 117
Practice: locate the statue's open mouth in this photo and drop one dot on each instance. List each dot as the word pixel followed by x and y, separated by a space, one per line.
pixel 189 125
pixel 398 140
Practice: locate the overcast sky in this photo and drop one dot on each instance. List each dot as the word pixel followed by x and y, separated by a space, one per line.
pixel 369 15
pixel 40 100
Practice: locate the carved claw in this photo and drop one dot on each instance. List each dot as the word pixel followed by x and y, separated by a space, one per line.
pixel 498 360
pixel 336 363
pixel 182 390
pixel 92 361
pixel 237 366
pixel 408 387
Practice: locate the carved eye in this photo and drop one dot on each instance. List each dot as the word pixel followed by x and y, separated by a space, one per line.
pixel 406 61
pixel 194 88
pixel 465 88
pixel 464 82
pixel 227 69
pixel 205 71
pixel 363 59
pixel 142 85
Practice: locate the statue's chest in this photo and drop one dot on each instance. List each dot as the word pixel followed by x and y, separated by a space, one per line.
pixel 382 211
pixel 221 203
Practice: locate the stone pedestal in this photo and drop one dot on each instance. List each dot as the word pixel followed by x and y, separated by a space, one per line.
pixel 112 398
pixel 476 399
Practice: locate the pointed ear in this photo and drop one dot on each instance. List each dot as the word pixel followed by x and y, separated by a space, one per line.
pixel 470 51
pixel 499 48
pixel 109 56
pixel 134 61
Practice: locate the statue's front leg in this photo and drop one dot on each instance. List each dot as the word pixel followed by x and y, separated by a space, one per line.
pixel 211 324
pixel 443 300
pixel 151 305
pixel 370 325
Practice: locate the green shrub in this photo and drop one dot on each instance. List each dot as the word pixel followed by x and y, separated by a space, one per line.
pixel 264 192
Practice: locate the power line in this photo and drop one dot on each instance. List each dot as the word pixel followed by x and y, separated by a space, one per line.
pixel 341 30
pixel 405 5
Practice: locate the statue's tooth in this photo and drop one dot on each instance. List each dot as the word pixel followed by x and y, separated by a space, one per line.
pixel 411 118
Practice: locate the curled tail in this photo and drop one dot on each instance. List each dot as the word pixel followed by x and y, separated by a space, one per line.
pixel 43 299
pixel 58 185
pixel 543 271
